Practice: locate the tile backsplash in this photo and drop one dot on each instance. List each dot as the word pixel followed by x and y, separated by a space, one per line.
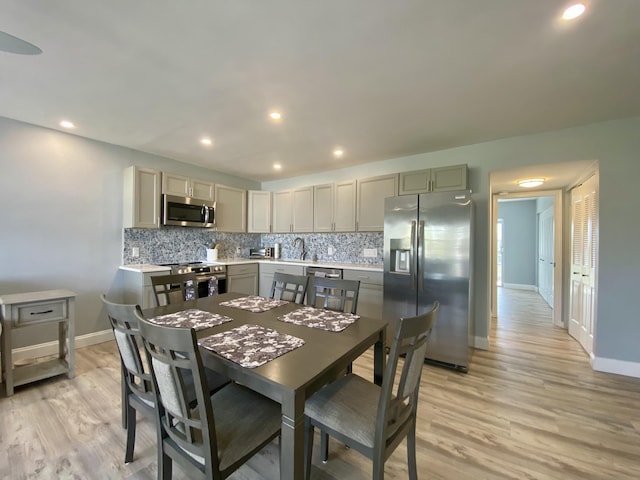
pixel 179 244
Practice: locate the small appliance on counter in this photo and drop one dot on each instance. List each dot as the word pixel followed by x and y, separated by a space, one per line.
pixel 276 251
pixel 262 252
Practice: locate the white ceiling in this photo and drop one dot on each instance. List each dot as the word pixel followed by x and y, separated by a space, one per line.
pixel 380 78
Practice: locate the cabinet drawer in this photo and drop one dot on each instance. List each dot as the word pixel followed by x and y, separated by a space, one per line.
pixel 242 269
pixel 40 312
pixel 364 276
pixel 279 267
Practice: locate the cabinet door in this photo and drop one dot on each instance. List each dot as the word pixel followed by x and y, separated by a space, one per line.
pixel 370 294
pixel 371 195
pixel 281 215
pixel 302 210
pixel 415 182
pixel 173 184
pixel 141 199
pixel 323 208
pixel 344 206
pixel 203 190
pixel 259 213
pixel 449 178
pixel 246 283
pixel 231 209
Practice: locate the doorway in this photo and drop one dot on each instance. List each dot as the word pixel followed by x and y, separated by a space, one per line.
pixel 550 264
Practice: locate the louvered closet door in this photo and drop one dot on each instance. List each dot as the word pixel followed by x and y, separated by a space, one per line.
pixel 584 259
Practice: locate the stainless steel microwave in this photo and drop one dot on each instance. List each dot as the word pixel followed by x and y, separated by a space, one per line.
pixel 188 212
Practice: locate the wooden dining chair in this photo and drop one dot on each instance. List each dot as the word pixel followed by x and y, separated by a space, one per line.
pixel 291 288
pixel 218 434
pixel 136 385
pixel 174 288
pixel 375 419
pixel 333 294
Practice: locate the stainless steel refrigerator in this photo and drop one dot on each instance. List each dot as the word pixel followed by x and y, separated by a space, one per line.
pixel 427 257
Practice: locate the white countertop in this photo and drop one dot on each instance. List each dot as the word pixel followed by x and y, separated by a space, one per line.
pixel 145 268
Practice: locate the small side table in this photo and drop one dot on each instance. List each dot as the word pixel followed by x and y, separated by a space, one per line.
pixel 31 309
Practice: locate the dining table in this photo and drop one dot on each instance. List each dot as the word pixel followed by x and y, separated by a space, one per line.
pixel 294 376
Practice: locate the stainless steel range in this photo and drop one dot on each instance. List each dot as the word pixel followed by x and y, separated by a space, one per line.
pixel 203 273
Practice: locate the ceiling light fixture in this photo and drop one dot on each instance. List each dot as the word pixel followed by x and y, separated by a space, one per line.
pixel 67 124
pixel 574 11
pixel 275 115
pixel 277 166
pixel 206 141
pixel 531 182
pixel 338 152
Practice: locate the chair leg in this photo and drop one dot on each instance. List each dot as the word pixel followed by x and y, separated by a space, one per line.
pixel 324 446
pixel 411 453
pixel 165 465
pixel 308 450
pixel 378 469
pixel 131 433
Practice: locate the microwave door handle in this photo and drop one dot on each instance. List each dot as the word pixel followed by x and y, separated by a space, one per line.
pixel 205 210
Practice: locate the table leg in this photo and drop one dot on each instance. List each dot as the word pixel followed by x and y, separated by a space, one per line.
pixel 292 437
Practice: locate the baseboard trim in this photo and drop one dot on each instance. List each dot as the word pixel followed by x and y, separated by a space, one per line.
pixel 481 343
pixel 619 367
pixel 519 286
pixel 51 348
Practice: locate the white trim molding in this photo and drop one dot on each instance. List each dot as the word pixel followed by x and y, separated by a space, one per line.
pixel 619 367
pixel 481 343
pixel 521 286
pixel 51 348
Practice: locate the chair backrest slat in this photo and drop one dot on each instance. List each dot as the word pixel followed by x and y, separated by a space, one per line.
pixel 334 294
pixel 291 288
pixel 174 288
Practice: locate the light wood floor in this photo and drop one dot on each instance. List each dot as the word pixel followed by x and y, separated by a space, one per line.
pixel 530 408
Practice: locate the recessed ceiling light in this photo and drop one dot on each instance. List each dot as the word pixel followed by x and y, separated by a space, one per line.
pixel 531 182
pixel 338 152
pixel 277 166
pixel 206 141
pixel 67 124
pixel 275 115
pixel 574 11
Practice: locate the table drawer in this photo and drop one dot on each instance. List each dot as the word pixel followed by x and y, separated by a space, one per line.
pixel 40 312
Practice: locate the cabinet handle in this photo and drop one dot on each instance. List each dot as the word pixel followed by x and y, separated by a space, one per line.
pixel 41 313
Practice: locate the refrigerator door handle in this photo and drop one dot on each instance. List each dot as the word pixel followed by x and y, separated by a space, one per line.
pixel 420 256
pixel 412 269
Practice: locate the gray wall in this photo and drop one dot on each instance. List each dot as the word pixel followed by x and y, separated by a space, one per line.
pixel 62 217
pixel 615 145
pixel 519 241
pixel 61 198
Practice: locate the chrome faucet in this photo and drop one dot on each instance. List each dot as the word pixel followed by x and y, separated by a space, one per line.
pixel 303 252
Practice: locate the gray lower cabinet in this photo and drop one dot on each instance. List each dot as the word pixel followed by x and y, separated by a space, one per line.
pixel 243 278
pixel 137 287
pixel 370 294
pixel 266 275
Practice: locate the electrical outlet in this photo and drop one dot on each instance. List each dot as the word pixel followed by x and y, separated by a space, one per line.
pixel 370 252
pixel 331 250
pixel 135 252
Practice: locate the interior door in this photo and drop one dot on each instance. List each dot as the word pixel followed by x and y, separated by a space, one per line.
pixel 546 262
pixel 584 255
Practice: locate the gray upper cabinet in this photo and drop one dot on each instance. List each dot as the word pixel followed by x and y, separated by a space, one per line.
pixel 231 209
pixel 371 194
pixel 440 179
pixel 334 207
pixel 293 210
pixel 173 184
pixel 141 199
pixel 259 212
